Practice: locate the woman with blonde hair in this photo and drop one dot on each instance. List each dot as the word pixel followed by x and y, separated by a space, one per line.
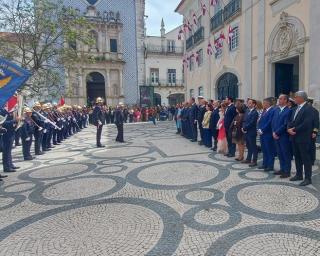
pixel 207 135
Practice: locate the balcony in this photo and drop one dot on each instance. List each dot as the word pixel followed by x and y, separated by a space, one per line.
pixel 189 43
pixel 164 83
pixel 198 36
pixel 157 49
pixel 231 9
pixel 105 56
pixel 216 21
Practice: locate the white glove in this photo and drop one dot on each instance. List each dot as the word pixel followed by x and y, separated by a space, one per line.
pixel 45 131
pixel 28 139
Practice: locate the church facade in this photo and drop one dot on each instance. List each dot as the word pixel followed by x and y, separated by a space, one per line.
pixel 251 48
pixel 117 69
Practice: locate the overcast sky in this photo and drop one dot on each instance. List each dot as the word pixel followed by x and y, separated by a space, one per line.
pixel 158 9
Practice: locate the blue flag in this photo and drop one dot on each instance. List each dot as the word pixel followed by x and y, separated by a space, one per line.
pixel 12 77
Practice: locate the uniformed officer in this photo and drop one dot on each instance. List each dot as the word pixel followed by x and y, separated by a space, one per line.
pixel 38 130
pixel 98 120
pixel 10 125
pixel 27 131
pixel 119 120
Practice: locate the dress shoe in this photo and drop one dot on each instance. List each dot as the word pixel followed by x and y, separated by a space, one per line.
pixel 214 149
pixel 306 182
pixel 245 162
pixel 253 164
pixel 9 170
pixel 261 167
pixel 268 169
pixel 39 154
pixel 278 173
pixel 3 176
pixel 239 159
pixel 200 143
pixel 296 178
pixel 101 146
pixel 15 167
pixel 193 140
pixel 28 158
pixel 122 141
pixel 230 155
pixel 284 176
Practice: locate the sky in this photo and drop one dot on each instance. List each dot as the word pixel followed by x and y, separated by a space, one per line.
pixel 158 9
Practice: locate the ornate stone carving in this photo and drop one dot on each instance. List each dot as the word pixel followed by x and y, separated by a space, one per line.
pixel 284 38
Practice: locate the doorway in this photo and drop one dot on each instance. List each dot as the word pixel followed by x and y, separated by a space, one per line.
pixel 287 76
pixel 227 85
pixel 95 87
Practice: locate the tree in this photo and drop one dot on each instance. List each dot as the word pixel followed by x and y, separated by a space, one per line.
pixel 40 35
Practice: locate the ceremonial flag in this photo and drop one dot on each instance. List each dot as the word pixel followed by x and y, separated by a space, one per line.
pixel 61 101
pixel 203 8
pixel 213 2
pixel 194 18
pixel 230 34
pixel 12 103
pixel 210 49
pixel 12 77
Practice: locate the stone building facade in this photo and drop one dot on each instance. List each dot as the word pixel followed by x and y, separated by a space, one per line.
pixel 118 67
pixel 273 47
pixel 163 67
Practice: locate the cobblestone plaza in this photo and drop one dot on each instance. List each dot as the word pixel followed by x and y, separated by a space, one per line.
pixel 156 194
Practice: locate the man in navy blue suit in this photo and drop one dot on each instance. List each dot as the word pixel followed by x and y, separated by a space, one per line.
pixel 250 131
pixel 281 138
pixel 229 115
pixel 200 115
pixel 213 123
pixel 193 112
pixel 300 128
pixel 265 132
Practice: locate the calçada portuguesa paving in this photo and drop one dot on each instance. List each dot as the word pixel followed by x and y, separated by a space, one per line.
pixel 157 194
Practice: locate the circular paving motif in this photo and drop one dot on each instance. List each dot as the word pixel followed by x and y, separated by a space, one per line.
pixel 275 201
pixel 77 190
pixel 117 226
pixel 267 240
pixel 142 160
pixel 177 175
pixel 10 201
pixel 19 187
pixel 54 154
pixel 199 196
pixel 211 218
pixel 121 152
pixel 111 162
pixel 111 169
pixel 59 161
pixel 256 175
pixel 57 171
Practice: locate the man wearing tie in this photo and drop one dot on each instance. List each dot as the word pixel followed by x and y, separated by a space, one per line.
pixel 300 128
pixel 250 131
pixel 281 137
pixel 265 132
pixel 230 114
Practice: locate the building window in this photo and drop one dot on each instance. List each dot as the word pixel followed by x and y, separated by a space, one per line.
pixel 191 93
pixel 200 58
pixel 113 45
pixel 234 44
pixel 115 90
pixel 200 91
pixel 171 76
pixel 154 74
pixel 171 45
pixel 191 64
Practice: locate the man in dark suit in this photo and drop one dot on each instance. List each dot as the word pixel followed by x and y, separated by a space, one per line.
pixel 119 120
pixel 265 132
pixel 250 131
pixel 98 116
pixel 200 114
pixel 300 128
pixel 193 120
pixel 315 124
pixel 229 115
pixel 38 132
pixel 213 123
pixel 280 120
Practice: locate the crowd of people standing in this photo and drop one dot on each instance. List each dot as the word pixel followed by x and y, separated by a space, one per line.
pixel 286 128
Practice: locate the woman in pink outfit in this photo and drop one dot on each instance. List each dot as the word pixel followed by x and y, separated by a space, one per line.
pixel 222 146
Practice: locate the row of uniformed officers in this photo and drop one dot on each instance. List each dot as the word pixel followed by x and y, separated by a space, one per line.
pixel 45 125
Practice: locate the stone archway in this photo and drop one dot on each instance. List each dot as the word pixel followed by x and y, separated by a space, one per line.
pixel 286 43
pixel 227 85
pixel 95 86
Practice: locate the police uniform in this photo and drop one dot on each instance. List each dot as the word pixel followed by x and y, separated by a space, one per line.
pixel 27 131
pixel 98 116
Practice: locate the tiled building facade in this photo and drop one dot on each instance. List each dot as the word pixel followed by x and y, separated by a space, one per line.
pixel 273 47
pixel 118 69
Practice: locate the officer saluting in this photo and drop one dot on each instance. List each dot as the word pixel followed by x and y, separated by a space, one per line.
pixel 98 117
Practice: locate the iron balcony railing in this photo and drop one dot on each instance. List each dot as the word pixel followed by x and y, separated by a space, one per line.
pixel 198 35
pixel 157 49
pixel 216 21
pixel 163 82
pixel 189 43
pixel 231 9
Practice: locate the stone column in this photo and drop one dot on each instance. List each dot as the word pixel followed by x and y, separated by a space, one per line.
pixel 107 85
pixel 314 52
pixel 261 50
pixel 247 34
pixel 121 82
